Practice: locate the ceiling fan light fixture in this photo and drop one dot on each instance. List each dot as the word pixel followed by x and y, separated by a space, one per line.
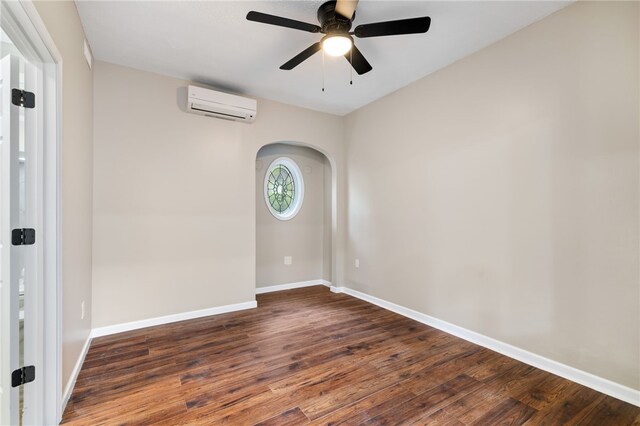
pixel 337 45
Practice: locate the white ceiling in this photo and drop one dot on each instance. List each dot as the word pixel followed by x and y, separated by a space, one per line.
pixel 211 42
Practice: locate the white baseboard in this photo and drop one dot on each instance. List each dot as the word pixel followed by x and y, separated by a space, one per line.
pixel 289 286
pixel 592 381
pixel 134 325
pixel 68 389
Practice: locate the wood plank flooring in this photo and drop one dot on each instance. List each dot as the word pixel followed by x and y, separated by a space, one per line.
pixel 309 356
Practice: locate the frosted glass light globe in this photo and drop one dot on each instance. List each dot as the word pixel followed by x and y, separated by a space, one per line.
pixel 336 45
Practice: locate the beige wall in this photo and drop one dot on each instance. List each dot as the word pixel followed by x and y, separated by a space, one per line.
pixel 174 207
pixel 63 24
pixel 302 237
pixel 514 182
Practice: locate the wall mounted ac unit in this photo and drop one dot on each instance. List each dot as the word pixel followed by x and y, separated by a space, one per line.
pixel 221 105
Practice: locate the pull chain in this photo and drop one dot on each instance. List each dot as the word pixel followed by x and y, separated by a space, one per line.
pixel 323 70
pixel 351 67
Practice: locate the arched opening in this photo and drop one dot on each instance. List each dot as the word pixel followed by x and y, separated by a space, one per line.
pixel 294 217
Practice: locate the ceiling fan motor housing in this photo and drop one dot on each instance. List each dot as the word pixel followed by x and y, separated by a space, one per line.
pixel 332 22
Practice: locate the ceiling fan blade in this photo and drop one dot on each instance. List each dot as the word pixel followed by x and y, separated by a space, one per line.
pixel 346 8
pixel 301 57
pixel 282 22
pixel 357 61
pixel 402 26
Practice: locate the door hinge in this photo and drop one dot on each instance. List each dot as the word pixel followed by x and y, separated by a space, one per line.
pixel 23 375
pixel 23 98
pixel 23 236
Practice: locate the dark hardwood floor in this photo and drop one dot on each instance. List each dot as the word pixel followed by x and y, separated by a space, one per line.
pixel 309 356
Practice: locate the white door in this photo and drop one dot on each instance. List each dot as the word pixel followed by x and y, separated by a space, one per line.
pixel 17 246
pixel 9 291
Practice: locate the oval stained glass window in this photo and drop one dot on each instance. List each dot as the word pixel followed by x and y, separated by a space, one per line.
pixel 283 188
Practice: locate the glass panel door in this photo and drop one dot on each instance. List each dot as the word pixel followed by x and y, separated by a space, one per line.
pixel 17 213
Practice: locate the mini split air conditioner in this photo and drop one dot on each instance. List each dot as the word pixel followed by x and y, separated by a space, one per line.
pixel 221 105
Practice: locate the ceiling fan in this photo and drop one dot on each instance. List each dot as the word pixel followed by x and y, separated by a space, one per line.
pixel 336 18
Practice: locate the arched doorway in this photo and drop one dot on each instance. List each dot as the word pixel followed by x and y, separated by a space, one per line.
pixel 294 217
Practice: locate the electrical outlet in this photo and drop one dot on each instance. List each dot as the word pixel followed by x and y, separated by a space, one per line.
pixel 288 260
pixel 82 310
pixel 357 263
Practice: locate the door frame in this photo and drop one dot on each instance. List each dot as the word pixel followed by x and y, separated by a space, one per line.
pixel 35 43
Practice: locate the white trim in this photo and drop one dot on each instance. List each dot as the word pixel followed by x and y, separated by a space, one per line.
pixel 616 390
pixel 68 390
pixel 52 281
pixel 150 322
pixel 38 24
pixel 289 286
